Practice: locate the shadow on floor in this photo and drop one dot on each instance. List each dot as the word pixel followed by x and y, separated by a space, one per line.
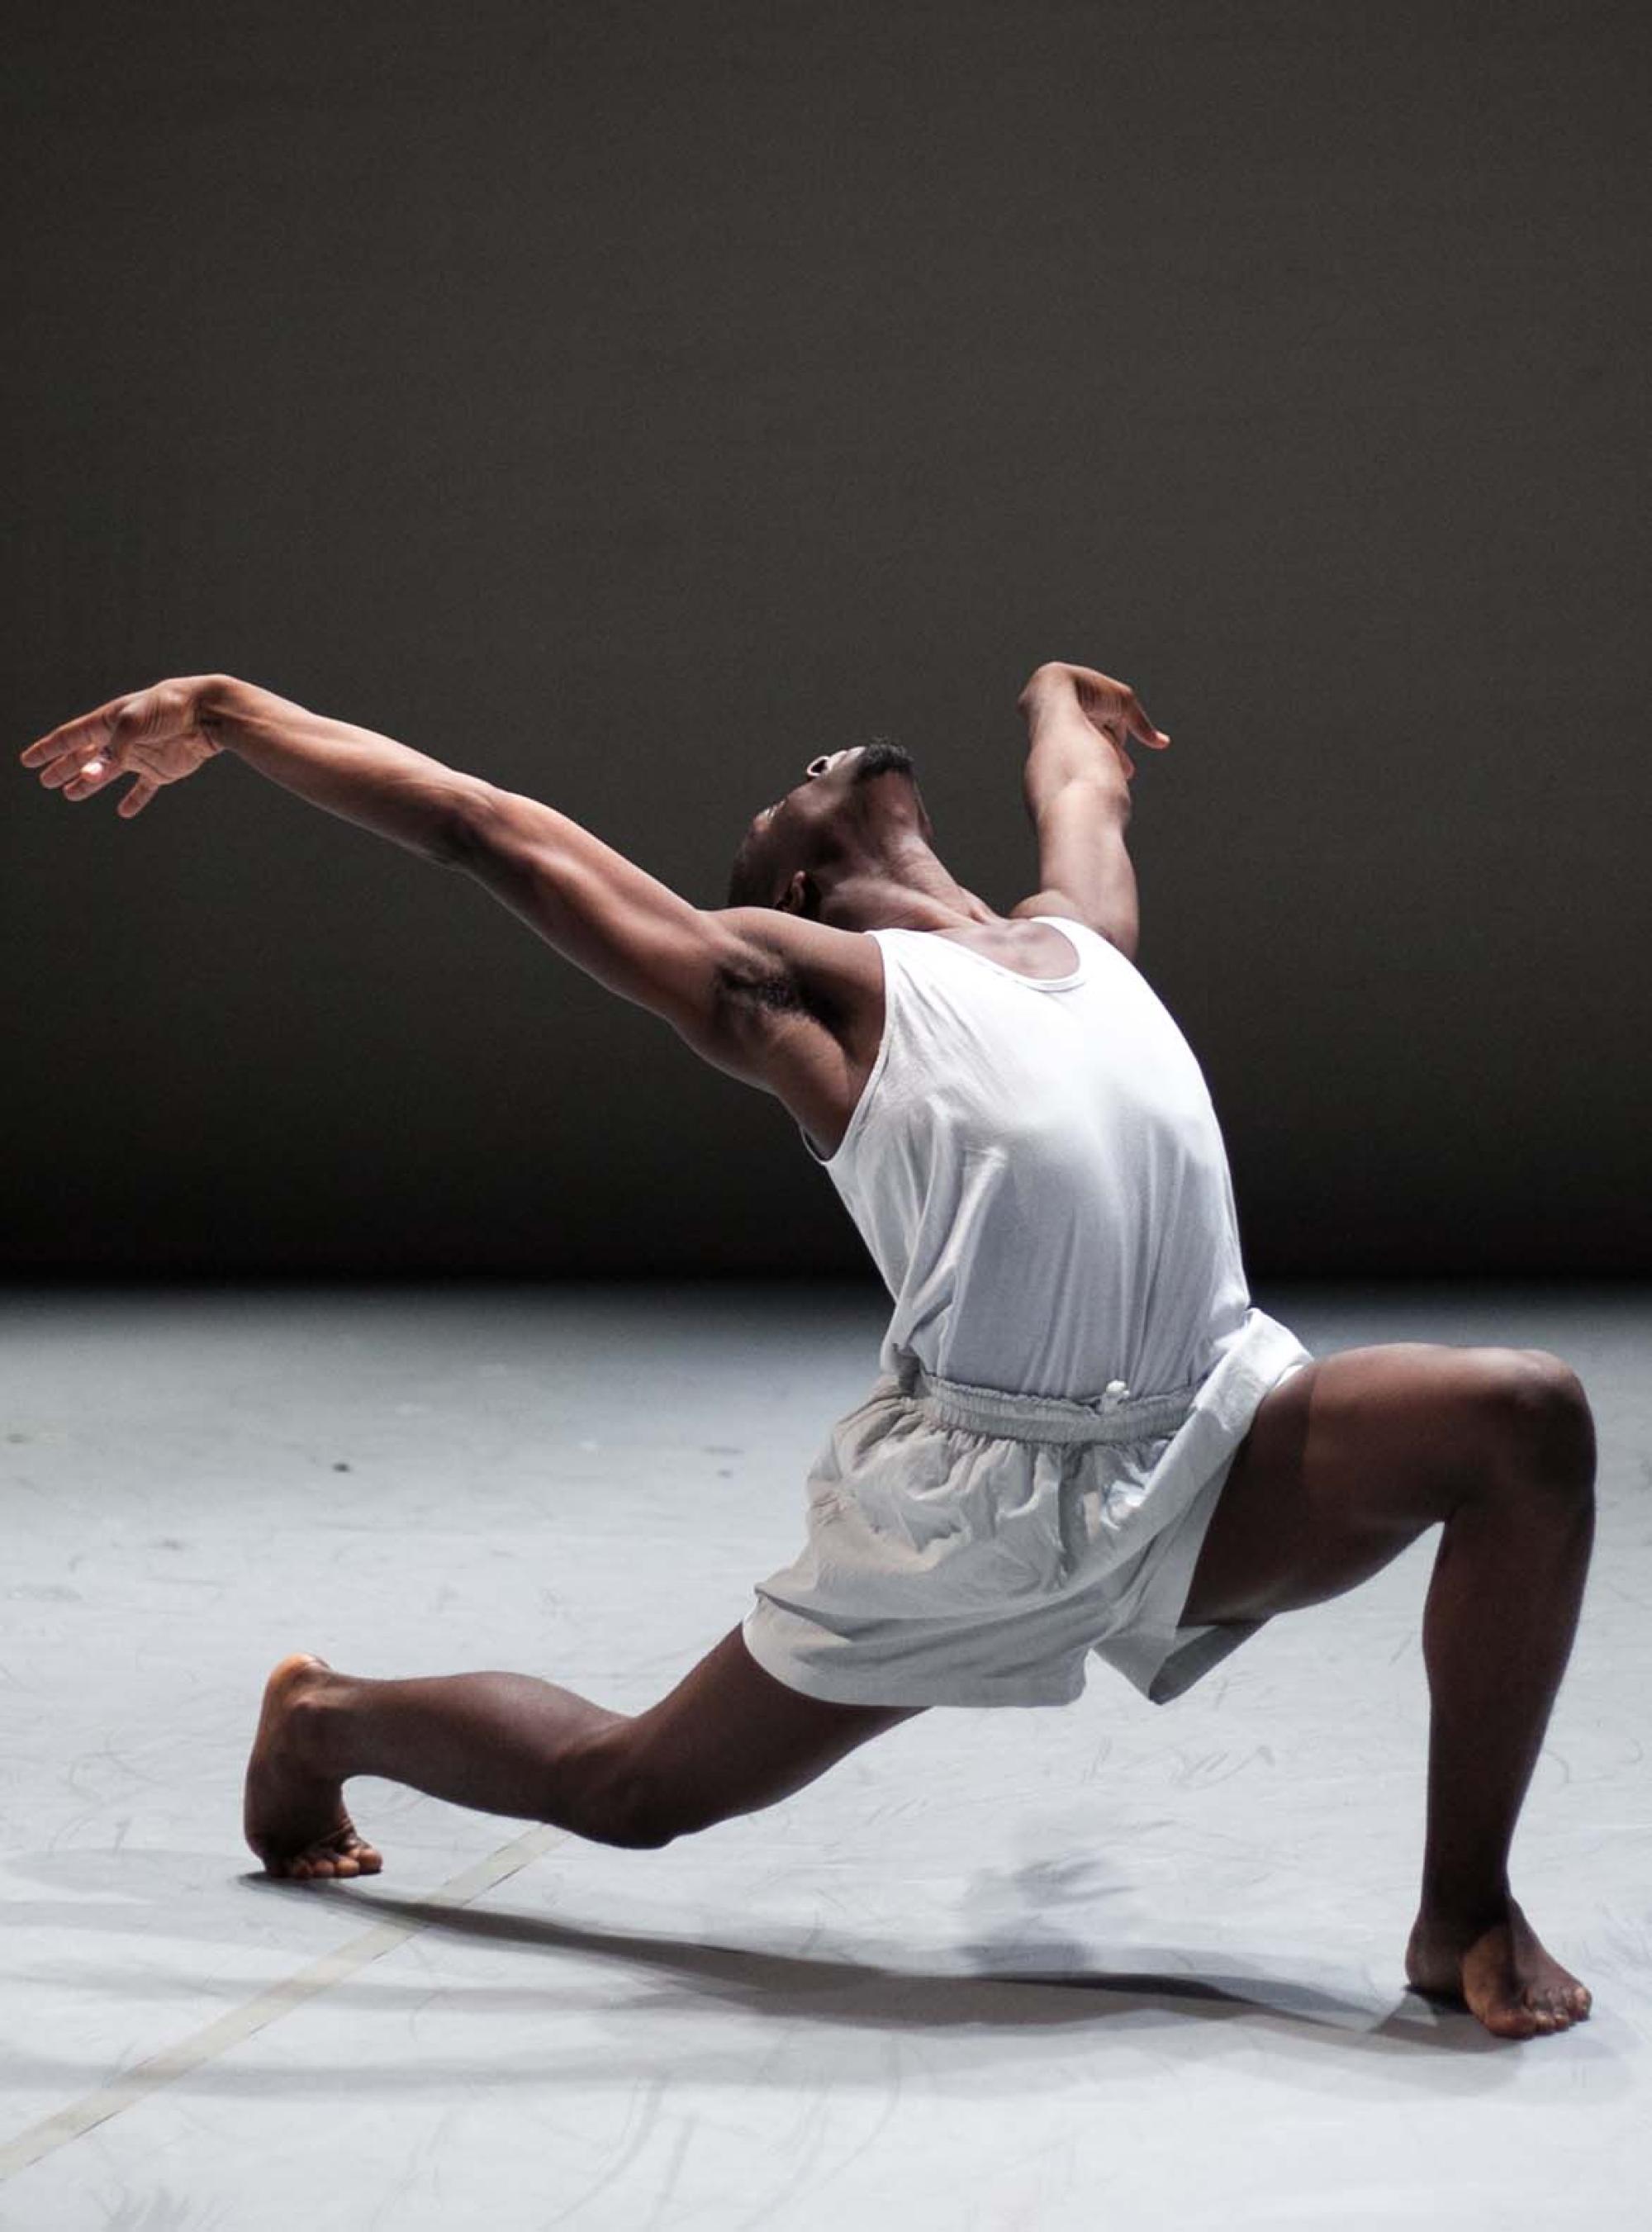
pixel 999 1982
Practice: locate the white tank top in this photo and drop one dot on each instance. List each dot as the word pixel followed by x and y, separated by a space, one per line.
pixel 1036 1167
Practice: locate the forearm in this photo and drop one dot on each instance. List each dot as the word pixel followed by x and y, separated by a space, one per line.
pixel 1078 793
pixel 1062 749
pixel 370 780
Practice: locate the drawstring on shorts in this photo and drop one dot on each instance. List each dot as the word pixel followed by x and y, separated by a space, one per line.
pixel 1116 1414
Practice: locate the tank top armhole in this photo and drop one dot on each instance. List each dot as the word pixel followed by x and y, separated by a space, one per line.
pixel 856 1115
pixel 1066 925
pixel 1083 943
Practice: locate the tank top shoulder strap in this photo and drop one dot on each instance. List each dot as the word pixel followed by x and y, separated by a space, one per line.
pixel 909 945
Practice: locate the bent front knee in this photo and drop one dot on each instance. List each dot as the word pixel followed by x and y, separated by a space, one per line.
pixel 1545 1413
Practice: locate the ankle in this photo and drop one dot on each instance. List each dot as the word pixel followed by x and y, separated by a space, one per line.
pixel 1464 1914
pixel 314 1724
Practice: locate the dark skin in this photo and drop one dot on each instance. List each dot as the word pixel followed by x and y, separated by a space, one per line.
pixel 787 996
pixel 1347 1461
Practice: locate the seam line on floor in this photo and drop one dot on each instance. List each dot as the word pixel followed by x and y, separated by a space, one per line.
pixel 148 2077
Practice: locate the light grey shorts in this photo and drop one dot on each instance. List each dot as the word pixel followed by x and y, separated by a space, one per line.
pixel 968 1547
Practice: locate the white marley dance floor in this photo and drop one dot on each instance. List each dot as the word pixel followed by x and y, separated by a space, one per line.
pixel 1112 1963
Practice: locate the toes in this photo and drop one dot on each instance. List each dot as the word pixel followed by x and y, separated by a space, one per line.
pixel 1515 2021
pixel 357 1859
pixel 1566 2005
pixel 319 1862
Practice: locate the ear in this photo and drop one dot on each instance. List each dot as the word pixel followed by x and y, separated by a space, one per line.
pixel 799 896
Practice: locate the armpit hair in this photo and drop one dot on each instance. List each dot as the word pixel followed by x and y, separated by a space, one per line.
pixel 757 983
pixel 758 986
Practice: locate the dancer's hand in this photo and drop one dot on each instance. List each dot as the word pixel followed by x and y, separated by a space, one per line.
pixel 156 733
pixel 1112 709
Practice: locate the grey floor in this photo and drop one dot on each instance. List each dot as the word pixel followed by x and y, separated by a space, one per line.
pixel 1109 1964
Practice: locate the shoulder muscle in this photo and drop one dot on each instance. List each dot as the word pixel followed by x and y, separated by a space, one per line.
pixel 1058 903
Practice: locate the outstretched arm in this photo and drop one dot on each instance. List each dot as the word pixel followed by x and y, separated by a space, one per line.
pixel 771 999
pixel 1077 786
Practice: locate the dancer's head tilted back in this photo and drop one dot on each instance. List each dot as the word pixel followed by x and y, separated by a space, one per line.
pixel 846 845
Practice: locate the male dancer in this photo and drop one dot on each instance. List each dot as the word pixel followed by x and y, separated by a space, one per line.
pixel 843 922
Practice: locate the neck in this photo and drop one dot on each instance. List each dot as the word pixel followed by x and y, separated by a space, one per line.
pixel 905 888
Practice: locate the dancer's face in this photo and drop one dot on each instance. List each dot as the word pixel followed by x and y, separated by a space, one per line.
pixel 836 809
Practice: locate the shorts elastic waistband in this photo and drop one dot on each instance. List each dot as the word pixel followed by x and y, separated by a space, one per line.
pixel 1114 1416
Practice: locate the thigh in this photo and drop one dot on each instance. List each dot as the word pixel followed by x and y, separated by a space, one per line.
pixel 1348 1461
pixel 730 1739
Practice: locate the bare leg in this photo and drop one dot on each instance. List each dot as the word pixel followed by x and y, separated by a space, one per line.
pixel 1497 1632
pixel 1348 1461
pixel 729 1739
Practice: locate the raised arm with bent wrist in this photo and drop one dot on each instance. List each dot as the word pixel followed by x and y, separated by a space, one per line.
pixel 1077 786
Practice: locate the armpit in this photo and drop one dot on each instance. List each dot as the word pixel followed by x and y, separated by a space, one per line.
pixel 755 983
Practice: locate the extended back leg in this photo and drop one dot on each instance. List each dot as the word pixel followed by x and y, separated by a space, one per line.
pixel 729 1739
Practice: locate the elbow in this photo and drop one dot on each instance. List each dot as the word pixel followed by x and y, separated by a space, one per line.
pixel 459 832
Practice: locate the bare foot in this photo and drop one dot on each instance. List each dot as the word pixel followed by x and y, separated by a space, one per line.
pixel 294 1819
pixel 1500 1972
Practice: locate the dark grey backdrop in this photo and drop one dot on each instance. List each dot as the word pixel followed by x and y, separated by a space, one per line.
pixel 626 403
